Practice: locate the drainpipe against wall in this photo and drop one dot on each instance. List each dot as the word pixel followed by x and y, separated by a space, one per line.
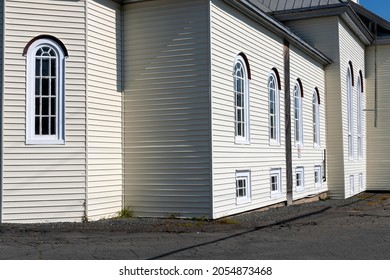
pixel 376 77
pixel 287 117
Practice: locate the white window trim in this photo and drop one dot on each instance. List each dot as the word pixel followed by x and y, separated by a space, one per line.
pixel 300 170
pixel 361 182
pixel 316 118
pixel 278 173
pixel 352 184
pixel 299 138
pixel 274 142
pixel 360 119
pixel 318 184
pixel 351 149
pixel 31 138
pixel 238 138
pixel 244 175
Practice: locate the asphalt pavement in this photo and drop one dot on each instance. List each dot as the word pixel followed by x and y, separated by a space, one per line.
pixel 352 229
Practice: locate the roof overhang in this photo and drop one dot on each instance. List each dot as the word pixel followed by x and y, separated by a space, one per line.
pixel 342 10
pixel 278 28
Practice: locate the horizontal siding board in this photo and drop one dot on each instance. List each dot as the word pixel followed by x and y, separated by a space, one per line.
pixel 104 109
pixel 264 51
pixel 378 164
pixel 36 173
pixel 166 127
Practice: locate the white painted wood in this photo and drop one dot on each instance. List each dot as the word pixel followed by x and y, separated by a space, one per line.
pixel 351 49
pixel 312 75
pixel 44 182
pixel 232 33
pixel 378 152
pixel 104 109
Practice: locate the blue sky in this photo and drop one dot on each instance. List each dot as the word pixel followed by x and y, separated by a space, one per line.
pixel 379 7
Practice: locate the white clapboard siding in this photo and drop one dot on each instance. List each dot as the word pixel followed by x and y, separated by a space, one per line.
pixel 104 109
pixel 351 49
pixel 44 182
pixel 167 110
pixel 323 33
pixel 232 33
pixel 378 150
pixel 1 103
pixel 312 75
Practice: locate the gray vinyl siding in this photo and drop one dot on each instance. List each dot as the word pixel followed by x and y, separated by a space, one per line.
pixel 44 182
pixel 232 33
pixel 312 75
pixel 378 151
pixel 166 108
pixel 104 109
pixel 351 49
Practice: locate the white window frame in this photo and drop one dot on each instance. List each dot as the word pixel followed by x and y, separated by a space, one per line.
pixel 277 174
pixel 298 115
pixel 351 150
pixel 241 111
pixel 59 136
pixel 361 182
pixel 316 121
pixel 300 183
pixel 273 109
pixel 243 176
pixel 317 169
pixel 352 184
pixel 359 119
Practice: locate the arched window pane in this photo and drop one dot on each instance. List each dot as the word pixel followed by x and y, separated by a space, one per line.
pixel 45 93
pixel 241 93
pixel 273 109
pixel 350 114
pixel 298 121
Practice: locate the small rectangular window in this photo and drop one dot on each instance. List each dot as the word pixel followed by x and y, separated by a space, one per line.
pixel 243 187
pixel 317 177
pixel 299 179
pixel 361 184
pixel 276 182
pixel 352 184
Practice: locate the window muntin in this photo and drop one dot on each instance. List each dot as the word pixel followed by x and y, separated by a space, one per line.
pixel 316 120
pixel 276 182
pixel 298 114
pixel 274 103
pixel 243 187
pixel 317 177
pixel 299 179
pixel 45 93
pixel 360 119
pixel 350 114
pixel 241 96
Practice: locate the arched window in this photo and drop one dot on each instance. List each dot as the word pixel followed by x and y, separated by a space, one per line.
pixel 298 114
pixel 45 92
pixel 241 95
pixel 350 112
pixel 273 106
pixel 360 117
pixel 316 119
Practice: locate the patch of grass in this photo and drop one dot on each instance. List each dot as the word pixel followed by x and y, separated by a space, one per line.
pixel 124 214
pixel 227 221
pixel 173 215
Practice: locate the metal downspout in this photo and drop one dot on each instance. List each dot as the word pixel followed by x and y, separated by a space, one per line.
pixel 287 115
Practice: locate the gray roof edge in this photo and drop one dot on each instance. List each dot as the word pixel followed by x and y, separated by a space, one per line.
pixel 276 26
